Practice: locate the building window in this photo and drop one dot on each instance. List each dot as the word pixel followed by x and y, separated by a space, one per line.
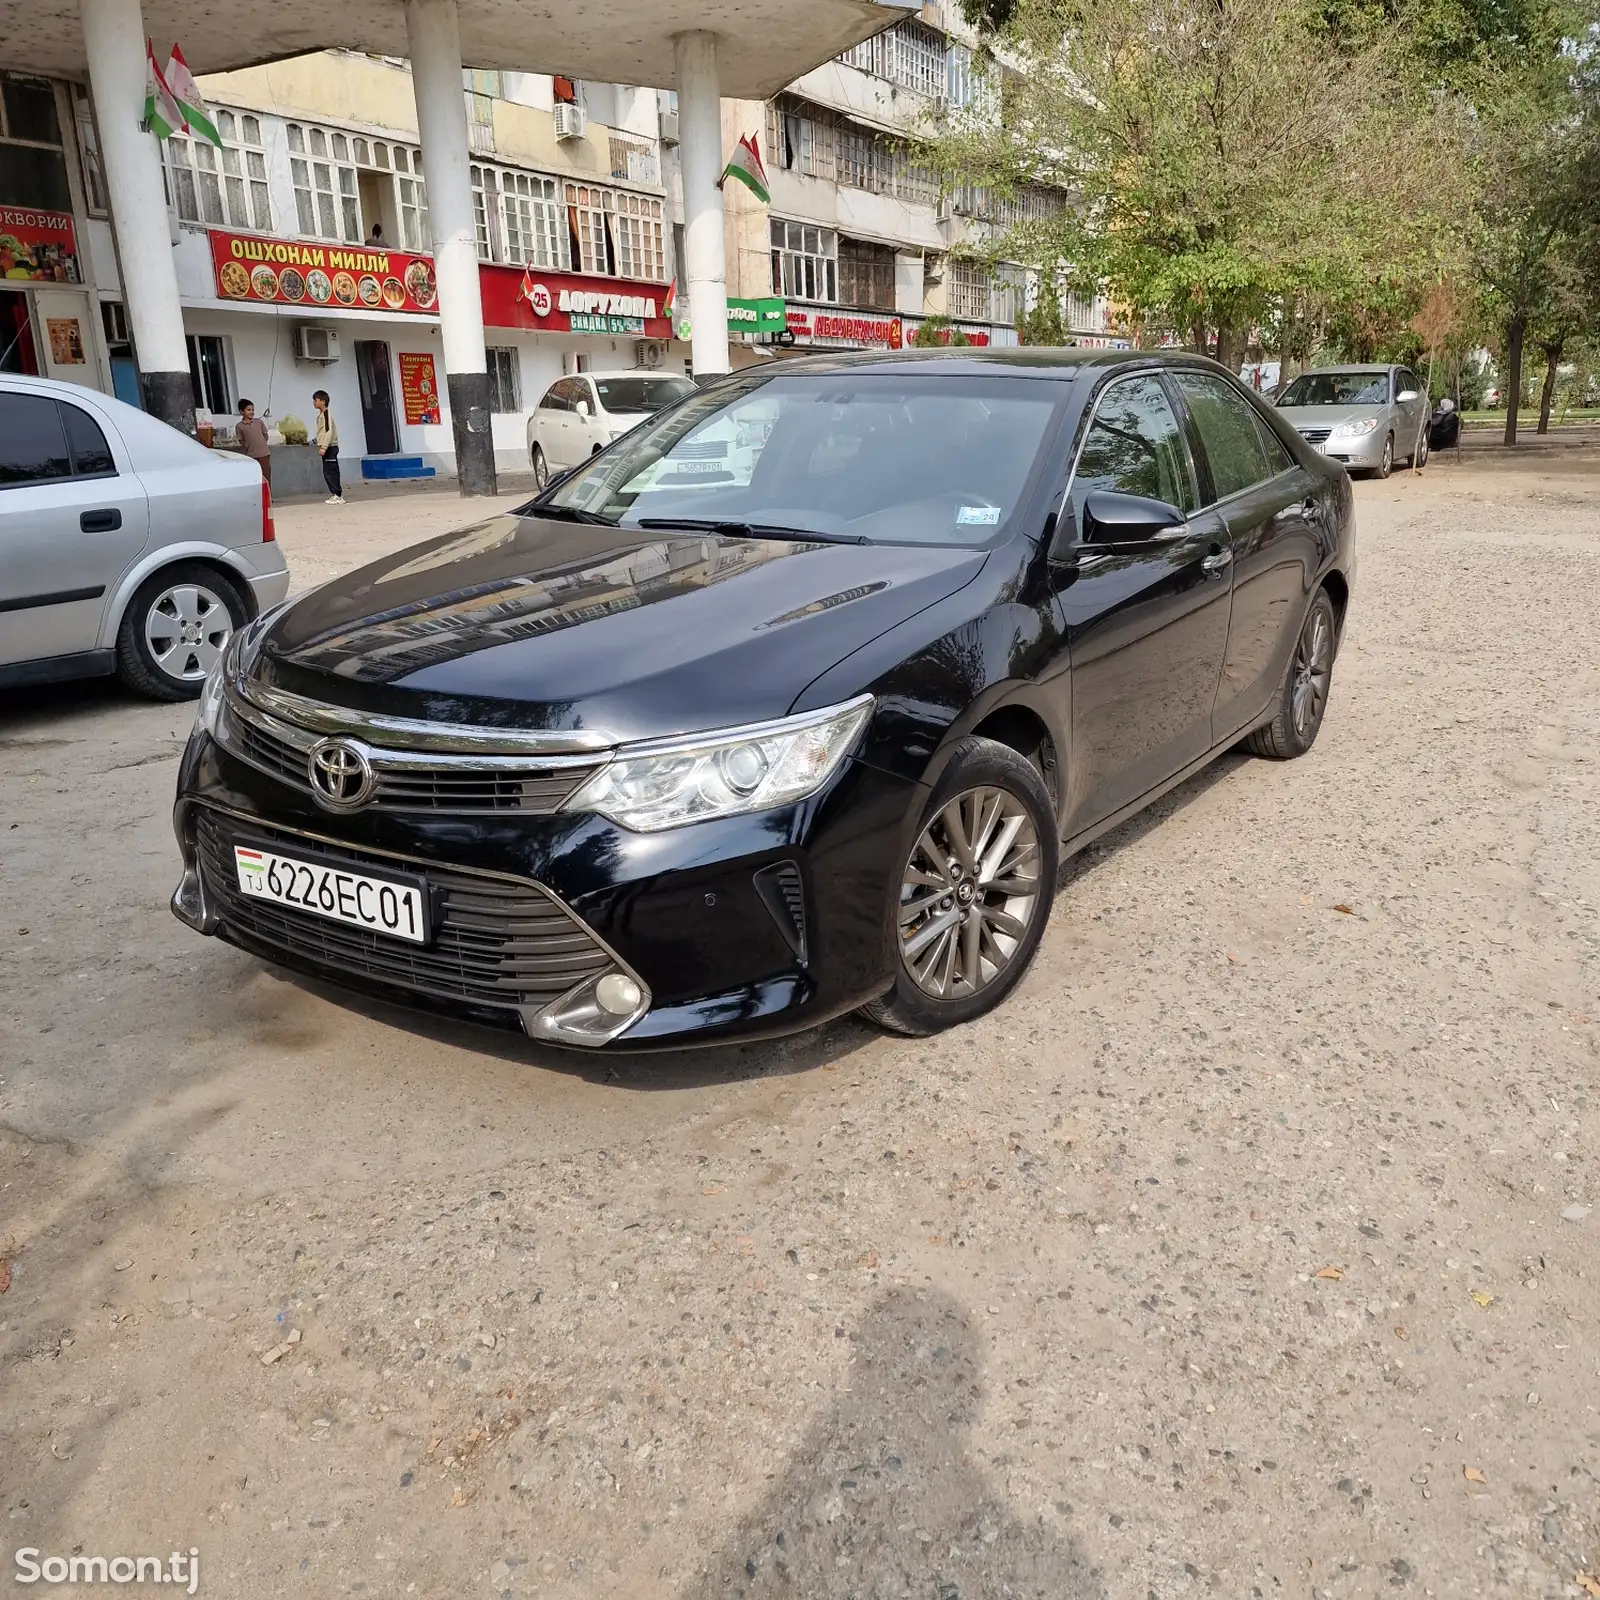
pixel 33 165
pixel 910 54
pixel 800 138
pixel 633 162
pixel 505 393
pixel 221 188
pixel 485 211
pixel 805 262
pixel 533 231
pixel 614 233
pixel 94 177
pixel 866 275
pixel 968 290
pixel 325 165
pixel 208 371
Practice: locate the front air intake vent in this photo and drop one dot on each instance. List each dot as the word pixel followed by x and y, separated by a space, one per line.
pixel 784 896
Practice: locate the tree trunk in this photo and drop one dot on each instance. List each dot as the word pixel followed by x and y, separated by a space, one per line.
pixel 1197 334
pixel 1229 341
pixel 1547 395
pixel 1514 332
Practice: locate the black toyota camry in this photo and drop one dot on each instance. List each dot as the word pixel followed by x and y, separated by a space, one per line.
pixel 786 705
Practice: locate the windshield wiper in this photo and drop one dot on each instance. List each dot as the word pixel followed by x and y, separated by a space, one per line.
pixel 566 514
pixel 750 530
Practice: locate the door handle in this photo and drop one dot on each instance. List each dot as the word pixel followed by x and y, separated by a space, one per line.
pixel 106 521
pixel 1218 562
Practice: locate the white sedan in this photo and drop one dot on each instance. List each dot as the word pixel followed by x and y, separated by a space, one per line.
pixel 583 414
pixel 125 546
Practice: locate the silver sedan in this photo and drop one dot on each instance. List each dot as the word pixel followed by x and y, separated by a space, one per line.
pixel 1365 416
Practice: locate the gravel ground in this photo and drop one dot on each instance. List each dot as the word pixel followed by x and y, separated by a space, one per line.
pixel 1247 1251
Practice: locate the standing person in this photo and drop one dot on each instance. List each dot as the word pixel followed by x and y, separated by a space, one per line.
pixel 253 439
pixel 328 447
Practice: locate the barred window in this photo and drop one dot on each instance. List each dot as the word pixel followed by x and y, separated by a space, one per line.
pixel 505 389
pixel 968 287
pixel 866 275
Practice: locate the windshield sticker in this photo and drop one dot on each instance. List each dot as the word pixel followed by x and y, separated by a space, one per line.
pixel 978 517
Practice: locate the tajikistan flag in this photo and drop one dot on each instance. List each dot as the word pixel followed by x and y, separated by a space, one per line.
pixel 196 116
pixel 162 115
pixel 746 165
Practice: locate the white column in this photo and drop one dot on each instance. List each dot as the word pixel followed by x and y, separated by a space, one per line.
pixel 700 151
pixel 113 37
pixel 434 34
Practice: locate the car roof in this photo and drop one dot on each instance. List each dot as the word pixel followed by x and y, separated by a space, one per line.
pixel 1354 366
pixel 1043 361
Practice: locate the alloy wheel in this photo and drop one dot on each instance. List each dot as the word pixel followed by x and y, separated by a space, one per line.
pixel 186 630
pixel 1313 667
pixel 969 894
pixel 541 468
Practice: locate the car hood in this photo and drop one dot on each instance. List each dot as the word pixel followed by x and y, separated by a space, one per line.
pixel 1328 416
pixel 528 623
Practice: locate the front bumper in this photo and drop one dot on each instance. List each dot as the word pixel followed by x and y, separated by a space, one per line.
pixel 1360 454
pixel 740 928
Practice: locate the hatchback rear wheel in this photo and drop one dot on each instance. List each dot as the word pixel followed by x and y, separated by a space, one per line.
pixel 974 892
pixel 175 629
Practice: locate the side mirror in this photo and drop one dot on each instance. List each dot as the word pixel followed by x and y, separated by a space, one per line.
pixel 1404 395
pixel 583 408
pixel 1112 518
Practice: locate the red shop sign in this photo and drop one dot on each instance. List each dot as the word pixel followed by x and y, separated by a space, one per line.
pixel 37 246
pixel 887 332
pixel 573 302
pixel 349 277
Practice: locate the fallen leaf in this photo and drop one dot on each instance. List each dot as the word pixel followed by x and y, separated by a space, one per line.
pixel 1345 909
pixel 1335 1273
pixel 1473 1475
pixel 870 1259
pixel 434 1443
pixel 5 1274
pixel 1589 1584
pixel 1482 1298
pixel 1232 957
pixel 459 1498
pixel 1402 1331
pixel 1308 899
pixel 715 1188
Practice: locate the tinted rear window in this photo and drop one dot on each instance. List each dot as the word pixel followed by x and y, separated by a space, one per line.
pixel 33 446
pixel 91 455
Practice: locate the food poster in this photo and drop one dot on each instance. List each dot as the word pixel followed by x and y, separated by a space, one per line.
pixel 353 277
pixel 419 387
pixel 66 341
pixel 37 246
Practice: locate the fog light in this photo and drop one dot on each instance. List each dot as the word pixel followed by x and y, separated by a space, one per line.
pixel 618 994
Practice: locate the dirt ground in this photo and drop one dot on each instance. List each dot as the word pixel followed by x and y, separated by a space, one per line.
pixel 1248 1251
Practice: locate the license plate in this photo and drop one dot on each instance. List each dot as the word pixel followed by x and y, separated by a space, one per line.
pixel 382 905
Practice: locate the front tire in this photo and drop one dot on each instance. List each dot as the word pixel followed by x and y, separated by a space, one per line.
pixel 175 630
pixel 1386 465
pixel 1303 699
pixel 1419 456
pixel 541 467
pixel 975 892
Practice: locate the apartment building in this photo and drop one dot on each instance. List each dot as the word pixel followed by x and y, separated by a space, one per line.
pixel 858 241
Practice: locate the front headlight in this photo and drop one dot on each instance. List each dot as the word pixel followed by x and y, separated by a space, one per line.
pixel 667 783
pixel 1355 430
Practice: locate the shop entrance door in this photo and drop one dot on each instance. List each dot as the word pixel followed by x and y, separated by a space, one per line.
pixel 377 397
pixel 17 353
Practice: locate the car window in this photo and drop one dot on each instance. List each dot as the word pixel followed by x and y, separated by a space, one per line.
pixel 648 395
pixel 1407 379
pixel 33 444
pixel 1278 458
pixel 1134 446
pixel 578 389
pixel 91 455
pixel 555 397
pixel 1227 425
pixel 1337 389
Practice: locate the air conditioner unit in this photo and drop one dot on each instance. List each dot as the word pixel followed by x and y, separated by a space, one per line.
pixel 570 120
pixel 649 353
pixel 320 345
pixel 669 127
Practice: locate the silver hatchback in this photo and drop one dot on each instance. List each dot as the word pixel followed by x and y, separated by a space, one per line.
pixel 1367 417
pixel 125 546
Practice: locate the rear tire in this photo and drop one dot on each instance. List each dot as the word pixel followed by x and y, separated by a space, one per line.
pixel 1303 699
pixel 541 467
pixel 988 835
pixel 1419 456
pixel 175 630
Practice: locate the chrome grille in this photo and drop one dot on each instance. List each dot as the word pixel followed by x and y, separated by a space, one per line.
pixel 414 780
pixel 1315 435
pixel 497 942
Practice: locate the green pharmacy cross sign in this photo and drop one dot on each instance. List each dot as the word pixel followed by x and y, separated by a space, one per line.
pixel 757 316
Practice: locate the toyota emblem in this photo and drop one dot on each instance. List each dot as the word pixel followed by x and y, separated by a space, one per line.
pixel 341 776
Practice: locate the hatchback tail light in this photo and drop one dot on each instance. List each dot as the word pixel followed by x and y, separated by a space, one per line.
pixel 268 531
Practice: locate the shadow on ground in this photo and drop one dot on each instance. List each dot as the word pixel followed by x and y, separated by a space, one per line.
pixel 884 1497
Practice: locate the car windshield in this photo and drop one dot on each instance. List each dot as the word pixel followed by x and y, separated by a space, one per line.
pixel 1337 389
pixel 640 394
pixel 877 459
